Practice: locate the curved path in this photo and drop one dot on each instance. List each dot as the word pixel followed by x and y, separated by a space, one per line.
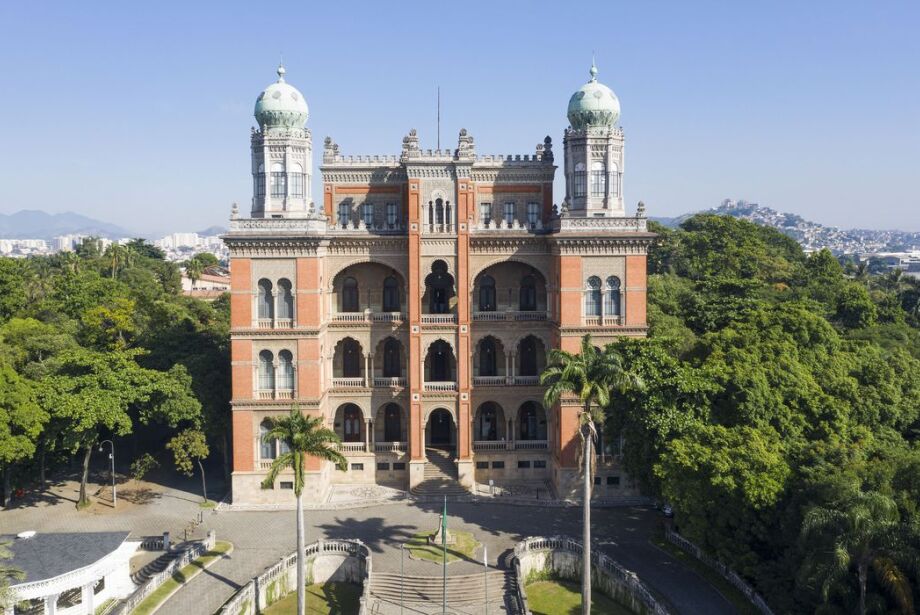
pixel 260 538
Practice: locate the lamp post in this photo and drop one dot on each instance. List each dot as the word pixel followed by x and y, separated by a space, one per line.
pixel 112 458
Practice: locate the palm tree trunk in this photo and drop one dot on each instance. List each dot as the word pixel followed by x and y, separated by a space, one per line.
pixel 863 572
pixel 301 556
pixel 586 537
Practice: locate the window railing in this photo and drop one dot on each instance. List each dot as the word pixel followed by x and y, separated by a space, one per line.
pixel 504 226
pixel 526 380
pixel 489 381
pixel 265 323
pixel 367 317
pixel 265 464
pixel 265 394
pixel 284 323
pixel 439 319
pixel 490 445
pixel 602 321
pixel 510 445
pixel 440 386
pixel 531 445
pixel 284 394
pixel 391 447
pixel 348 382
pixel 391 382
pixel 352 447
pixel 510 315
pixel 361 226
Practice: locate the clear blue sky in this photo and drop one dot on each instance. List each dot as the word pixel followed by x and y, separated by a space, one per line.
pixel 139 113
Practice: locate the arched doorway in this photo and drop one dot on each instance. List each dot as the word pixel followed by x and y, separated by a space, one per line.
pixel 392 423
pixel 352 429
pixel 439 287
pixel 440 428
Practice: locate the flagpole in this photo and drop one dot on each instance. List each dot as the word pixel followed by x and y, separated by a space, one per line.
pixel 444 559
pixel 485 569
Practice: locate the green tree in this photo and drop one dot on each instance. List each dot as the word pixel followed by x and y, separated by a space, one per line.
pixel 190 447
pixel 205 259
pixel 861 533
pixel 592 375
pixel 94 391
pixel 8 574
pixel 194 270
pixel 12 288
pixel 21 422
pixel 304 436
pixel 143 248
pixel 142 466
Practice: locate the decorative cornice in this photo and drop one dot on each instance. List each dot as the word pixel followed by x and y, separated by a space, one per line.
pixel 625 244
pixel 256 247
pixel 627 330
pixel 509 244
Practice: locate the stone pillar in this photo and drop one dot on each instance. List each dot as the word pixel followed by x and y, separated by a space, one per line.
pixel 367 374
pixel 367 435
pixel 371 377
pixel 51 604
pixel 88 598
pixel 508 367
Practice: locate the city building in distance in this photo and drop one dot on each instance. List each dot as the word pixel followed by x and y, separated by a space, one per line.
pixel 413 308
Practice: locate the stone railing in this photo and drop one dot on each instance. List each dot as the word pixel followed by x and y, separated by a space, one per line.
pixel 391 447
pixel 366 317
pixel 390 382
pixel 561 557
pixel 440 386
pixel 192 552
pixel 351 447
pixel 500 225
pixel 489 381
pixel 439 319
pixel 510 316
pixel 509 445
pixel 602 321
pixel 315 224
pixel 348 382
pixel 727 573
pixel 526 380
pixel 623 224
pixel 327 560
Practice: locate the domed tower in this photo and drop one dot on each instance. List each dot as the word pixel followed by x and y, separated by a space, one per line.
pixel 282 153
pixel 593 146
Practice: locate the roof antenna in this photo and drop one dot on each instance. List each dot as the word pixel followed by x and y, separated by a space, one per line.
pixel 439 117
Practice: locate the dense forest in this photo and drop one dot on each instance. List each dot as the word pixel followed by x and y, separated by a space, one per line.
pixel 102 344
pixel 780 414
pixel 779 407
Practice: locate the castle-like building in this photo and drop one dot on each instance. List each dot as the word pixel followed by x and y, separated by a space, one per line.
pixel 413 309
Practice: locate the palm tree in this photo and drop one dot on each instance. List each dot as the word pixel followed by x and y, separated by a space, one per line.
pixel 194 270
pixel 305 437
pixel 862 532
pixel 592 375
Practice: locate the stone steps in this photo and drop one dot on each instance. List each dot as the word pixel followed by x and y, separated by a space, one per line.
pixel 158 565
pixel 464 589
pixel 440 477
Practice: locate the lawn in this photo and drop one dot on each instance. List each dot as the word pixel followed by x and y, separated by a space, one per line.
pixel 326 599
pixel 179 578
pixel 564 598
pixel 419 548
pixel 729 591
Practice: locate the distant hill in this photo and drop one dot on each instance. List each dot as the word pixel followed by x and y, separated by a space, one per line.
pixel 212 230
pixel 811 235
pixel 33 224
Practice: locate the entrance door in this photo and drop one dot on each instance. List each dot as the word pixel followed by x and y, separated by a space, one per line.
pixel 440 426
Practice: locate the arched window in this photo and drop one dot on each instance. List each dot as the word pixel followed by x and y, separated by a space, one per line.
pixel 392 423
pixel 392 363
pixel 439 285
pixel 266 303
pixel 612 297
pixel 267 450
pixel 439 213
pixel 528 294
pixel 278 181
pixel 285 299
pixel 266 371
pixel 487 361
pixel 488 422
pixel 259 178
pixel 487 294
pixel 285 377
pixel 351 359
pixel 352 423
pixel 296 178
pixel 581 180
pixel 529 422
pixel 614 180
pixel 528 356
pixel 593 297
pixel 598 179
pixel 440 362
pixel 350 295
pixel 344 215
pixel 390 294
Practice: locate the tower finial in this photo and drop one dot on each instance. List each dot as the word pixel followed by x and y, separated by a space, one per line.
pixel 593 70
pixel 281 71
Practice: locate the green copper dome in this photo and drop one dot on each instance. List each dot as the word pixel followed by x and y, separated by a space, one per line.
pixel 594 104
pixel 281 106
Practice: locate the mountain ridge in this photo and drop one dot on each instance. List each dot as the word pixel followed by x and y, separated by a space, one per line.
pixel 37 224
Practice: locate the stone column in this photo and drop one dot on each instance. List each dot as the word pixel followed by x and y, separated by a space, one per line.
pixel 367 372
pixel 51 604
pixel 371 377
pixel 367 435
pixel 88 598
pixel 508 368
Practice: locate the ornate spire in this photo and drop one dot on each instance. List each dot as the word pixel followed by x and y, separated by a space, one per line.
pixel 593 70
pixel 281 72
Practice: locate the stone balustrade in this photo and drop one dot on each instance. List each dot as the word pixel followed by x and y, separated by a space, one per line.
pixel 440 386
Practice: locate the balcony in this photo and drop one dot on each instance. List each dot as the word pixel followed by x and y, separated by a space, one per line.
pixel 439 319
pixel 391 383
pixel 397 448
pixel 492 446
pixel 509 316
pixel 277 323
pixel 348 382
pixel 603 321
pixel 351 447
pixel 440 387
pixel 367 317
pixel 265 464
pixel 526 381
pixel 489 381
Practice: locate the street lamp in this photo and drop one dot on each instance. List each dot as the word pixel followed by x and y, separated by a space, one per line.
pixel 112 458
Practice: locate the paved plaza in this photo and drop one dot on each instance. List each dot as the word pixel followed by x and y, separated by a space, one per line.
pixel 260 538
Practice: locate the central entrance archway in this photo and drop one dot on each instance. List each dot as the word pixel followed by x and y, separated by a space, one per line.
pixel 440 429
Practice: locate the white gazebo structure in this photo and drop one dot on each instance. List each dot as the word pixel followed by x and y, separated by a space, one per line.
pixel 70 574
